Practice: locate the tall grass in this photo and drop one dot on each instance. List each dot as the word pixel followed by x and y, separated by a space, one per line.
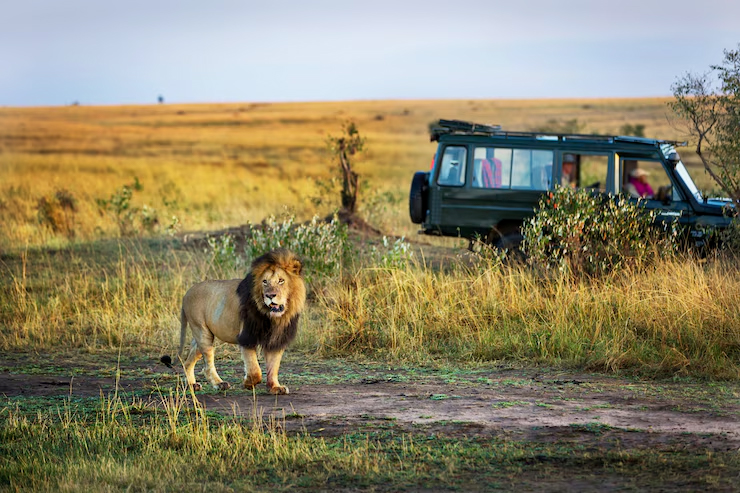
pixel 677 318
pixel 98 295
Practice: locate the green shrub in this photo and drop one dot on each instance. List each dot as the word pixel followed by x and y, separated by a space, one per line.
pixel 131 220
pixel 58 212
pixel 223 252
pixel 585 234
pixel 730 237
pixel 323 245
pixel 393 254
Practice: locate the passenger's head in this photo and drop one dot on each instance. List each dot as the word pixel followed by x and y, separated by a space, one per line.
pixel 639 174
pixel 569 164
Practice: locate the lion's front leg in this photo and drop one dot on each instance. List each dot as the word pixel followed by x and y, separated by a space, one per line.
pixel 272 362
pixel 252 372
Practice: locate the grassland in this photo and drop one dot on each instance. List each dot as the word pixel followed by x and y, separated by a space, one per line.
pixel 219 165
pixel 71 283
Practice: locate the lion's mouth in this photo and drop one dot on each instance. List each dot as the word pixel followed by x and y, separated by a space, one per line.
pixel 276 309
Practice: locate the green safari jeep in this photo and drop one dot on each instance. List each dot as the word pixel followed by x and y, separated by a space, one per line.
pixel 486 181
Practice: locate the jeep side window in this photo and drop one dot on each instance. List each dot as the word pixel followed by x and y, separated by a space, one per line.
pixel 531 169
pixel 542 170
pixel 452 170
pixel 646 178
pixel 487 169
pixel 585 170
pixel 521 169
pixel 504 156
pixel 594 171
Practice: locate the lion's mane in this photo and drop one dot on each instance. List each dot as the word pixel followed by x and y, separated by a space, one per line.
pixel 260 329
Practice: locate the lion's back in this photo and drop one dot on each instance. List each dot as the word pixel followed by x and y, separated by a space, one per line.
pixel 215 305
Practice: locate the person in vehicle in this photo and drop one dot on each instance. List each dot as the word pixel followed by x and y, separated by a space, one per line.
pixel 638 186
pixel 568 178
pixel 491 171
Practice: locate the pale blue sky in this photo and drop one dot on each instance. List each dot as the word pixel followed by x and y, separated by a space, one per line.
pixel 104 52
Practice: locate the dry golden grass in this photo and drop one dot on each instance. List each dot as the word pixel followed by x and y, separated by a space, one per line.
pixel 215 165
pixel 668 320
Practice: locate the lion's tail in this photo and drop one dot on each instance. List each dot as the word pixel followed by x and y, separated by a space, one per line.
pixel 183 329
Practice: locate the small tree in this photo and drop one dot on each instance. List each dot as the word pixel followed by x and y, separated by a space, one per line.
pixel 345 147
pixel 710 103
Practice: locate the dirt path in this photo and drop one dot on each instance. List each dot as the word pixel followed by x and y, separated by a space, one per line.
pixel 328 400
pixel 530 407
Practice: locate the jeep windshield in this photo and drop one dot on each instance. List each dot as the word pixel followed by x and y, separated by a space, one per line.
pixel 683 173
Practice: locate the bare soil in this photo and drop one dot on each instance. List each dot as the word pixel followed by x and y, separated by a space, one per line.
pixel 330 399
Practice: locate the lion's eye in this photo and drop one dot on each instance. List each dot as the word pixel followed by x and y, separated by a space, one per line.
pixel 264 281
pixel 281 281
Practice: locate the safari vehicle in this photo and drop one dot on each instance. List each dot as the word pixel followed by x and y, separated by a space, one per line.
pixel 485 181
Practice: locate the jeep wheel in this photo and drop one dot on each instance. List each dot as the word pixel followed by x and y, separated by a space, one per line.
pixel 418 197
pixel 510 241
pixel 512 244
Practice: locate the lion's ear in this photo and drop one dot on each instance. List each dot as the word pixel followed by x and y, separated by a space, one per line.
pixel 295 266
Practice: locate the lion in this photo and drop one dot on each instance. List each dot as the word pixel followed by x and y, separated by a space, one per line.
pixel 262 309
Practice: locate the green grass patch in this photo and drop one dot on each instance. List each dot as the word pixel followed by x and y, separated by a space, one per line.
pixel 127 445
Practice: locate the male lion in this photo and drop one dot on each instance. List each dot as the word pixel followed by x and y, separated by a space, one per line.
pixel 261 310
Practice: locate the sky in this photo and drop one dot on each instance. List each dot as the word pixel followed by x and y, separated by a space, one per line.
pixel 104 52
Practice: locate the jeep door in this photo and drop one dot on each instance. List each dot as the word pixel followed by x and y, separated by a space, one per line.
pixel 645 177
pixel 505 185
pixel 447 189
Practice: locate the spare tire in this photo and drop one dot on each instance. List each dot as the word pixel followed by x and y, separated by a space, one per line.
pixel 419 197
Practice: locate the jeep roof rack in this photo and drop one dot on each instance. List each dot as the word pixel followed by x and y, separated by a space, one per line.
pixel 462 127
pixel 585 138
pixel 470 128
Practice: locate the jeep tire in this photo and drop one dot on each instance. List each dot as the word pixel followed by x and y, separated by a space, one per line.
pixel 418 197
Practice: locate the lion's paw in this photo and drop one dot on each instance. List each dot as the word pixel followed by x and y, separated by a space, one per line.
pixel 223 386
pixel 279 390
pixel 251 382
pixel 195 386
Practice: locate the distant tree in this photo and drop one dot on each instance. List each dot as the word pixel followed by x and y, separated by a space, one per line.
pixel 710 105
pixel 345 147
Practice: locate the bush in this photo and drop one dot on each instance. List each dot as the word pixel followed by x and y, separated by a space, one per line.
pixel 131 220
pixel 322 245
pixel 730 237
pixel 396 254
pixel 58 212
pixel 584 234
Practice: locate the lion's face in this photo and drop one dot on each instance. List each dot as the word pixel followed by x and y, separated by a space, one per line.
pixel 278 288
pixel 275 286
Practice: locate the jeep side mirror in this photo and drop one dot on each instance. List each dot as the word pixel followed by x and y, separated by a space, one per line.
pixel 673 159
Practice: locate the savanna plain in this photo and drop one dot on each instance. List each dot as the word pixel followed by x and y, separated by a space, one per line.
pixel 419 365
